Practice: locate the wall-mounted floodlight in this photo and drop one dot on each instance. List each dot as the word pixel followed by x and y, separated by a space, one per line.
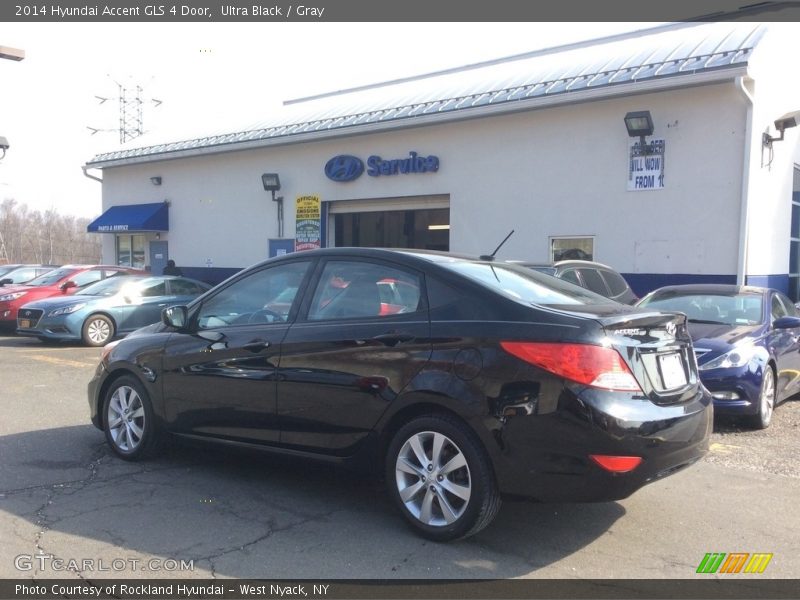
pixel 639 124
pixel 156 180
pixel 272 183
pixel 4 145
pixel 787 121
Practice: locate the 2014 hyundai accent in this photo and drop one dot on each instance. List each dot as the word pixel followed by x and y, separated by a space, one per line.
pixel 489 380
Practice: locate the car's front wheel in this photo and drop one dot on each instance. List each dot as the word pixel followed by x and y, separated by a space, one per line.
pixel 130 426
pixel 98 330
pixel 766 400
pixel 441 479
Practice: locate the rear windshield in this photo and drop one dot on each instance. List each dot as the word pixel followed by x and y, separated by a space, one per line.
pixel 51 277
pixel 525 285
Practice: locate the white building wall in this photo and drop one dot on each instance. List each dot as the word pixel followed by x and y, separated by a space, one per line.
pixel 551 172
pixel 776 91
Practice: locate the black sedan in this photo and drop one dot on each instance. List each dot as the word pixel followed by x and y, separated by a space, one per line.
pixel 481 379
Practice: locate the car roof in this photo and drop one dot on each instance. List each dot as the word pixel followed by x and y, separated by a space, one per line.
pixel 562 263
pixel 718 289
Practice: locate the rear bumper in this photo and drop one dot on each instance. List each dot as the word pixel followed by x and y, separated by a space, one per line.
pixel 546 456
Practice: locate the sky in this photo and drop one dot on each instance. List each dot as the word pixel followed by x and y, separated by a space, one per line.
pixel 207 76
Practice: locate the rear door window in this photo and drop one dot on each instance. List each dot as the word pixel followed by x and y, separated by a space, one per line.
pixel 615 282
pixel 351 290
pixel 593 281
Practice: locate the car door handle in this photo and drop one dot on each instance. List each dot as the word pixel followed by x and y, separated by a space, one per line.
pixel 393 338
pixel 256 345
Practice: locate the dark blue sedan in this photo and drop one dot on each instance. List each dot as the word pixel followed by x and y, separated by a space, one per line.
pixel 747 343
pixel 107 309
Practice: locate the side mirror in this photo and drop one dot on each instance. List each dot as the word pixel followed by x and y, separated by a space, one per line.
pixel 6 280
pixel 175 316
pixel 786 323
pixel 68 285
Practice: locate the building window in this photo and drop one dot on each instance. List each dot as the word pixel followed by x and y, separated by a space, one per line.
pixel 130 251
pixel 570 248
pixel 794 240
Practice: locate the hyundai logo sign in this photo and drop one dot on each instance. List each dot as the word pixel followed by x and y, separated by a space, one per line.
pixel 344 168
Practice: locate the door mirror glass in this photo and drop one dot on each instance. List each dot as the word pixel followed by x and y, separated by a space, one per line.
pixel 175 316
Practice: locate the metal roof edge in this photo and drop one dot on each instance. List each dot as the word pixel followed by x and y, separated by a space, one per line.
pixel 682 80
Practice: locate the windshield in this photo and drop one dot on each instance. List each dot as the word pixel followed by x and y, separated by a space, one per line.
pixel 106 287
pixel 734 309
pixel 51 278
pixel 7 269
pixel 526 285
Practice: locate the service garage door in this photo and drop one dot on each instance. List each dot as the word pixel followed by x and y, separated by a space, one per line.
pixel 415 222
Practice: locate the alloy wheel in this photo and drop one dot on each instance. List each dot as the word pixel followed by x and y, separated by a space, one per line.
pixel 126 419
pixel 433 478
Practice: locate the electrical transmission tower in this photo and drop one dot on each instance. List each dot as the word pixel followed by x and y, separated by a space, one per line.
pixel 131 103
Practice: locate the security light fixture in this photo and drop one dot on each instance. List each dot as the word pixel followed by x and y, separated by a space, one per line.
pixel 3 146
pixel 272 183
pixel 787 121
pixel 639 124
pixel 156 180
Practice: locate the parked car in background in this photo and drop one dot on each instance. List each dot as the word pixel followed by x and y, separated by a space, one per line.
pixel 747 343
pixel 595 276
pixel 64 280
pixel 461 379
pixel 24 273
pixel 106 309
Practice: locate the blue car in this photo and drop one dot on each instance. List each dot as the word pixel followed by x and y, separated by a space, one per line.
pixel 747 343
pixel 107 309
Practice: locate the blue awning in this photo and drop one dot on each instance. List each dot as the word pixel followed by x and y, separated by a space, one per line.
pixel 132 217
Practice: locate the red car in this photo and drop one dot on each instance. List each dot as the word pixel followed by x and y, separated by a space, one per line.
pixel 64 280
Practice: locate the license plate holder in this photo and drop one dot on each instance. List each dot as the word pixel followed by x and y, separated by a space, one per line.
pixel 672 372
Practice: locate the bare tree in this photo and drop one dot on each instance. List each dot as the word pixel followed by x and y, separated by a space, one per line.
pixel 31 236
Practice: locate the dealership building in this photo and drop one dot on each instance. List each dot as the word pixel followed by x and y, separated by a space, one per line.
pixel 670 154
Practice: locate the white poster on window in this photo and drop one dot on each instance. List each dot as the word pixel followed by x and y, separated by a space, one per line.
pixel 646 166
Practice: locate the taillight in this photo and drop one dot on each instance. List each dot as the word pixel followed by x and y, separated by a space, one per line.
pixel 617 464
pixel 596 366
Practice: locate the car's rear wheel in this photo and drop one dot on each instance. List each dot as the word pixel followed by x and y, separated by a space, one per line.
pixel 441 479
pixel 130 426
pixel 98 330
pixel 766 400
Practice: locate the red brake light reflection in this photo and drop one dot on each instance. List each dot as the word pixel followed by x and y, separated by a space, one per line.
pixel 596 366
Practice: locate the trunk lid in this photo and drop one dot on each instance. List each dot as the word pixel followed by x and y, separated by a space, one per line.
pixel 659 352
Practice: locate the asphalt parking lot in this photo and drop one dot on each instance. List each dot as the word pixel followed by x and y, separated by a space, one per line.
pixel 202 512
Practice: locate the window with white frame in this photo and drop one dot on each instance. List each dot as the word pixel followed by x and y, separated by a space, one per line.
pixel 130 251
pixel 794 240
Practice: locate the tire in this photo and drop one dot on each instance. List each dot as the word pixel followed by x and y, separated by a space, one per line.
pixel 766 400
pixel 440 478
pixel 130 425
pixel 98 330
